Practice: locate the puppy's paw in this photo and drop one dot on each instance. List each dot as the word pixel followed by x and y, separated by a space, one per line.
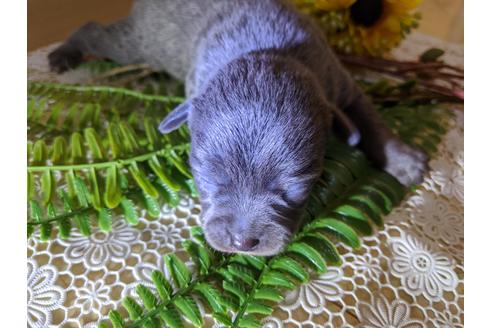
pixel 64 58
pixel 405 163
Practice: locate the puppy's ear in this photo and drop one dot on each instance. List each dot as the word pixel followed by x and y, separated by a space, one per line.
pixel 176 118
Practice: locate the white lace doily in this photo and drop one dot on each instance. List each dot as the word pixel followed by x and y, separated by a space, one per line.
pixel 410 274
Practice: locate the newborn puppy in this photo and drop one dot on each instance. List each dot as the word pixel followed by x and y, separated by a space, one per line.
pixel 262 88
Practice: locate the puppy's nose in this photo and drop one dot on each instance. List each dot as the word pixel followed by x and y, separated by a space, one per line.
pixel 244 244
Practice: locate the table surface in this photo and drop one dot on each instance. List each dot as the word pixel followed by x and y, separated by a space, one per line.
pixel 409 274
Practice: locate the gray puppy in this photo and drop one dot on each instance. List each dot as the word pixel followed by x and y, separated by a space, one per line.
pixel 262 85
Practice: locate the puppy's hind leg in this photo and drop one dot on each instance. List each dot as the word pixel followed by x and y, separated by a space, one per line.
pixel 116 42
pixel 386 150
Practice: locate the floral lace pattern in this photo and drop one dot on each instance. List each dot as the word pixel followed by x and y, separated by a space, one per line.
pixel 408 275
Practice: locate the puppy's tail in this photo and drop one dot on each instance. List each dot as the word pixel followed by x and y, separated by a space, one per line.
pixel 345 128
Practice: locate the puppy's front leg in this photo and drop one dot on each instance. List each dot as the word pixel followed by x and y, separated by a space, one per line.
pixel 404 162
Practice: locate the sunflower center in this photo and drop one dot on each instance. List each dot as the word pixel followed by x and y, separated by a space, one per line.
pixel 366 12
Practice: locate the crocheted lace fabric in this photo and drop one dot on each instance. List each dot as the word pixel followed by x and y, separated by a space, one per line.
pixel 409 274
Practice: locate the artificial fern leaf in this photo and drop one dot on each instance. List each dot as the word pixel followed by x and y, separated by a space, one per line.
pixel 338 229
pixel 134 310
pixel 235 289
pixel 64 228
pixel 95 145
pixel 112 191
pixel 378 197
pixel 82 221
pixel 249 322
pixel 59 150
pixel 116 319
pixel 259 308
pixel 150 204
pixel 242 273
pixel 361 226
pixel 171 317
pixel 268 294
pixel 276 279
pixel 77 148
pixel 141 179
pixel 40 153
pixel 324 246
pixel 188 307
pixel 162 174
pixel 95 183
pixel 211 296
pixel 48 185
pixel 179 272
pixel 339 172
pixel 366 209
pixel 222 318
pixel 352 212
pixel 309 254
pixel 291 266
pixel 104 220
pixel 170 196
pixel 148 298
pixel 129 211
pixel 199 254
pixel 256 261
pixel 163 287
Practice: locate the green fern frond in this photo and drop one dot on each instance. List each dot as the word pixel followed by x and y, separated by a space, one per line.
pixel 112 160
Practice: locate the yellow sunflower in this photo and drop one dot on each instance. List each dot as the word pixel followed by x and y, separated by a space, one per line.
pixel 363 26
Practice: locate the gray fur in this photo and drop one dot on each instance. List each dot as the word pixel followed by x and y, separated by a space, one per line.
pixel 262 85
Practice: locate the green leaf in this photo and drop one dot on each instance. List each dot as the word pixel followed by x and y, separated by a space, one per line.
pixel 148 298
pixel 336 228
pixel 104 220
pixel 188 307
pixel 40 153
pixel 242 273
pixel 162 285
pixel 211 295
pixel 255 307
pixel 308 253
pixel 291 266
pixel 64 227
pixel 161 173
pixel 235 289
pixel 141 179
pixel 59 150
pixel 112 191
pixel 351 211
pixel 134 310
pixel 115 140
pixel 151 205
pixel 199 254
pixel 179 164
pixel 431 55
pixel 82 192
pixel 95 145
pixel 367 209
pixel 171 317
pixel 269 294
pixel 116 319
pixel 249 322
pixel 170 196
pixel 276 279
pixel 36 213
pixel 95 197
pixel 179 272
pixel 257 261
pixel 30 230
pixel 222 318
pixel 48 185
pixel 129 211
pixel 324 246
pixel 82 220
pixel 77 148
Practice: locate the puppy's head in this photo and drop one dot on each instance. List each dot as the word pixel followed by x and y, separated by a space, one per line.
pixel 257 134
